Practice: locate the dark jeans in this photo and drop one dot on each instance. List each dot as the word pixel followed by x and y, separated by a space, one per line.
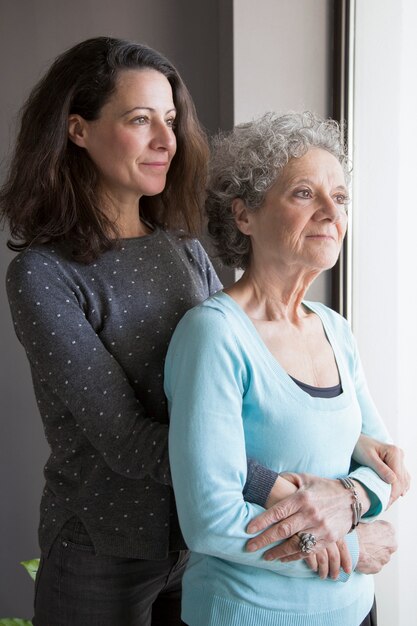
pixel 76 587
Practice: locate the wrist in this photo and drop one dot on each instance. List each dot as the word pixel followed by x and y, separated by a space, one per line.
pixel 362 495
pixel 360 502
pixel 281 489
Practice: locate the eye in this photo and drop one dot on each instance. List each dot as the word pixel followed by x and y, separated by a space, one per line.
pixel 170 122
pixel 305 194
pixel 341 198
pixel 140 120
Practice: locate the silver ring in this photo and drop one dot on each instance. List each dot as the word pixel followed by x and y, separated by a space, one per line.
pixel 307 542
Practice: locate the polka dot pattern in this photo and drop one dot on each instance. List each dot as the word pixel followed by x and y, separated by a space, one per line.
pixel 96 337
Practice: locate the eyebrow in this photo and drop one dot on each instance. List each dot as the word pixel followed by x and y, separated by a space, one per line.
pixel 308 181
pixel 173 110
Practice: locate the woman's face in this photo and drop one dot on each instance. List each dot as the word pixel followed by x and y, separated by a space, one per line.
pixel 303 219
pixel 132 142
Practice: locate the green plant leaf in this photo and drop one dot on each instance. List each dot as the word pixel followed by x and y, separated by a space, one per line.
pixel 14 621
pixel 31 567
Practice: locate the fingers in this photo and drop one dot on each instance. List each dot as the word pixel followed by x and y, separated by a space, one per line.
pixel 323 563
pixel 394 457
pixel 326 562
pixel 396 492
pixel 345 558
pixel 276 513
pixel 287 528
pixel 290 550
pixel 407 483
pixel 311 561
pixel 382 469
pixel 287 551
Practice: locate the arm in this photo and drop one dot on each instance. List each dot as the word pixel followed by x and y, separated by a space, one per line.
pixel 377 543
pixel 387 461
pixel 314 507
pixel 205 382
pixel 67 355
pixel 372 426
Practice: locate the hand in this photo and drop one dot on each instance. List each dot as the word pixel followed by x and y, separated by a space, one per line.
pixel 281 488
pixel 387 461
pixel 327 562
pixel 376 543
pixel 321 506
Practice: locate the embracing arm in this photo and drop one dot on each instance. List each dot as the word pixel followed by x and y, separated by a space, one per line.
pixel 321 506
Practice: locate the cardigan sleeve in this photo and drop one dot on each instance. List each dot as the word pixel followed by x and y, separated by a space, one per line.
pixel 205 382
pixel 373 426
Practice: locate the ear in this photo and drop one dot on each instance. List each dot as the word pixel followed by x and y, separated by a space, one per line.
pixel 241 215
pixel 77 130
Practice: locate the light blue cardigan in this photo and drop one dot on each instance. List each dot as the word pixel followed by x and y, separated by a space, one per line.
pixel 229 398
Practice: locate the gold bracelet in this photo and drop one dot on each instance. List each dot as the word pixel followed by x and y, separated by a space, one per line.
pixel 356 504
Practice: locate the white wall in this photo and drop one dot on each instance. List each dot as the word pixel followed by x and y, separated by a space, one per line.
pixel 281 57
pixel 385 264
pixel 282 62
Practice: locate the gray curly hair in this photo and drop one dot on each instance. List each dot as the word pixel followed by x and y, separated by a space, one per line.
pixel 246 162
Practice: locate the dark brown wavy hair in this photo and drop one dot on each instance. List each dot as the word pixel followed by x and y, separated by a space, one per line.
pixel 51 190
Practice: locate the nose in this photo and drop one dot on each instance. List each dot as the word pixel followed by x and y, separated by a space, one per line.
pixel 329 209
pixel 163 137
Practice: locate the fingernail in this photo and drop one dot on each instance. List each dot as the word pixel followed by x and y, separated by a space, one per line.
pixel 252 528
pixel 251 547
pixel 268 557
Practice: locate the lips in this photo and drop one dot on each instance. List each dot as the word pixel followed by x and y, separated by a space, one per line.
pixel 157 163
pixel 320 236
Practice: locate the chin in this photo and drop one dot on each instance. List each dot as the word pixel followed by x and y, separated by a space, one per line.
pixel 152 190
pixel 324 264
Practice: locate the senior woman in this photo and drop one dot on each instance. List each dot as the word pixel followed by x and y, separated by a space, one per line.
pixel 257 371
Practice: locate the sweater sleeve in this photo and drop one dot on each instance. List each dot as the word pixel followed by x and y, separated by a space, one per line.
pixel 373 426
pixel 67 356
pixel 205 382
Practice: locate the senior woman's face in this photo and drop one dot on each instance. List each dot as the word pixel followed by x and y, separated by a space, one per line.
pixel 303 219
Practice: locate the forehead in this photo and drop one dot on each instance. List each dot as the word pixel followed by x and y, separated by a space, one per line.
pixel 140 84
pixel 316 164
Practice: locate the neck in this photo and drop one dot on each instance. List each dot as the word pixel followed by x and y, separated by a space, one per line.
pixel 272 294
pixel 125 213
pixel 131 226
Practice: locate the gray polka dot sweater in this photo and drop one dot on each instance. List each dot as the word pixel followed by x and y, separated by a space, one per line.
pixel 96 337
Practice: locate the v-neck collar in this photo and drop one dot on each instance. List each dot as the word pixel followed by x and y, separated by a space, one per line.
pixel 321 404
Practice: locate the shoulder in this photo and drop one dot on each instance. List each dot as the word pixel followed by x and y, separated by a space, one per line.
pixel 209 325
pixel 28 262
pixel 190 245
pixel 195 257
pixel 35 266
pixel 36 257
pixel 328 315
pixel 206 318
pixel 205 340
pixel 336 326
